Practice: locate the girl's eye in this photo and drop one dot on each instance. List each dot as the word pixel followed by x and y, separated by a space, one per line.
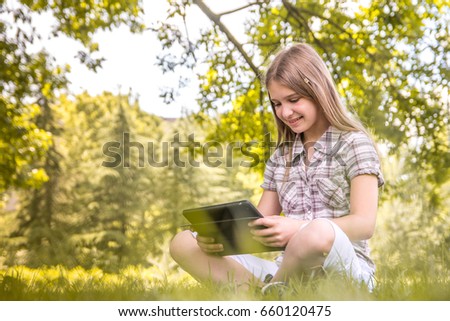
pixel 276 104
pixel 294 100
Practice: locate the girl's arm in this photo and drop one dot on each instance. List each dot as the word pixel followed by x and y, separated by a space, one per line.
pixel 279 229
pixel 269 204
pixel 360 223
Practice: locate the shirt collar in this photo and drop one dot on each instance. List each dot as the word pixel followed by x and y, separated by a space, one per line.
pixel 324 144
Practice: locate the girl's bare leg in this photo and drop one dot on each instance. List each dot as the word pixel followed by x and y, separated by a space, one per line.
pixel 205 267
pixel 306 251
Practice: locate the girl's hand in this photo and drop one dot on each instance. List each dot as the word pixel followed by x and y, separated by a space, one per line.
pixel 208 245
pixel 278 231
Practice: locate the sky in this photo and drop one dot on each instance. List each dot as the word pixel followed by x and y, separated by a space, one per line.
pixel 129 61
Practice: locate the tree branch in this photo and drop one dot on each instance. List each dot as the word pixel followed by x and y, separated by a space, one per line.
pixel 238 9
pixel 303 21
pixel 216 19
pixel 332 22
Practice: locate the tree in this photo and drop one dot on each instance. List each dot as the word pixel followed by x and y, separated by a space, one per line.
pixel 89 213
pixel 197 172
pixel 26 76
pixel 37 215
pixel 104 203
pixel 389 60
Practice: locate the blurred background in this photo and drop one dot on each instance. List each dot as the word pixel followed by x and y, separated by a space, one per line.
pixel 76 76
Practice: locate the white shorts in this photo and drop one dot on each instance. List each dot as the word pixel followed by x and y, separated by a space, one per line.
pixel 341 259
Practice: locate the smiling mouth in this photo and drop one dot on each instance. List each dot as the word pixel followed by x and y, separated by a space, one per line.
pixel 294 121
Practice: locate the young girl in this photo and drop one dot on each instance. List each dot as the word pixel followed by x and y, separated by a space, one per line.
pixel 323 178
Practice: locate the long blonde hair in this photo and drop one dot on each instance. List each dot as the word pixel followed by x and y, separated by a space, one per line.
pixel 301 69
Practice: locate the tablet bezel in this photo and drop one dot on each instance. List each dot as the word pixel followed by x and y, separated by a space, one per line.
pixel 233 232
pixel 239 210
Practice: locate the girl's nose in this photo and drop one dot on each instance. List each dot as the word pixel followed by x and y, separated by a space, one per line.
pixel 286 111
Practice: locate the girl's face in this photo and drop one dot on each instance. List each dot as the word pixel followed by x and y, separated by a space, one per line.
pixel 300 114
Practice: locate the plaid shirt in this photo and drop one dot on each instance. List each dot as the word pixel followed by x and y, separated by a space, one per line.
pixel 322 189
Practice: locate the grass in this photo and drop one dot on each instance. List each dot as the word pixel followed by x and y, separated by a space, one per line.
pixel 135 283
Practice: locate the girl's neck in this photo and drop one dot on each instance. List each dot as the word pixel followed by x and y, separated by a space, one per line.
pixel 313 134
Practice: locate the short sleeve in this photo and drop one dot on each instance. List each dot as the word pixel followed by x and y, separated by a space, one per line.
pixel 362 158
pixel 269 173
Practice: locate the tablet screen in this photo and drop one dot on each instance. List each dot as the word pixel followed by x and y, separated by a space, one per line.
pixel 222 212
pixel 228 224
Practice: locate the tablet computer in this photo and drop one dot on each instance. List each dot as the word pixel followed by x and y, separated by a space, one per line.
pixel 227 223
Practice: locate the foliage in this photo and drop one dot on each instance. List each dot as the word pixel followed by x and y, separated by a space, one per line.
pixel 412 230
pixel 23 143
pixel 26 76
pixel 36 217
pixel 86 215
pixel 389 60
pixel 191 177
pixel 390 63
pixel 100 231
pixel 97 210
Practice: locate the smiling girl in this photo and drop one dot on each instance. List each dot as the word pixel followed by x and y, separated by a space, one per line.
pixel 320 187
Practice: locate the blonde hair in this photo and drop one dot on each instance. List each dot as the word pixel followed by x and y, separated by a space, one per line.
pixel 301 69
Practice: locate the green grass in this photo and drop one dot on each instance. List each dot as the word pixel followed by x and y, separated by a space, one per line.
pixel 135 283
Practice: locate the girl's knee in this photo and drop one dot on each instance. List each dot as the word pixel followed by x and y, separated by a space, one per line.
pixel 180 244
pixel 316 237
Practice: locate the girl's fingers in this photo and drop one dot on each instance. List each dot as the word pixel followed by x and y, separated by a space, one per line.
pixel 205 239
pixel 214 249
pixel 269 241
pixel 257 222
pixel 262 232
pixel 267 221
pixel 210 247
